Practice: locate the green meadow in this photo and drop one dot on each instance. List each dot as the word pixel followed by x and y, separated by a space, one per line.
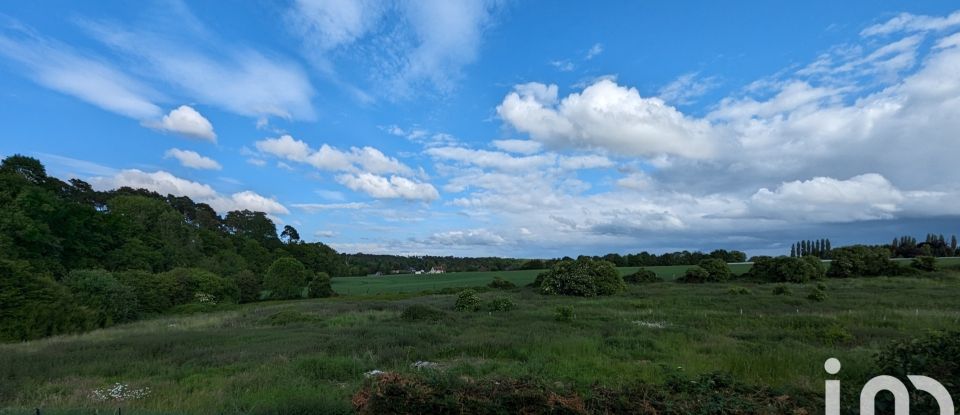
pixel 311 356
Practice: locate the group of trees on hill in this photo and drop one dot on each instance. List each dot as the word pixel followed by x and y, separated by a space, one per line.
pixel 933 245
pixel 70 254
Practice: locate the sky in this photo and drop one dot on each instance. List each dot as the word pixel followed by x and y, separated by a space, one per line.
pixel 505 128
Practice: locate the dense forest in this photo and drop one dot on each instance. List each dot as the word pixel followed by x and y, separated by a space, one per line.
pixel 72 258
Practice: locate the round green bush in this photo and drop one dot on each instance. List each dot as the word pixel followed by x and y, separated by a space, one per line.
pixel 320 287
pixel 642 276
pixel 718 270
pixel 499 283
pixel 924 263
pixel 583 277
pixel 467 300
pixel 861 261
pixel 501 304
pixel 694 275
pixel 817 295
pixel 563 314
pixel 786 269
pixel 286 278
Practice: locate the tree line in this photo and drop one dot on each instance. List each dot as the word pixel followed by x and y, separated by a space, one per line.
pixel 819 248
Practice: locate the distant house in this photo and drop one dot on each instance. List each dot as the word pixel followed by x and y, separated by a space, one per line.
pixel 418 272
pixel 437 270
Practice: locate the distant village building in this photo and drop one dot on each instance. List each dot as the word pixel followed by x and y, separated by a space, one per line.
pixel 437 270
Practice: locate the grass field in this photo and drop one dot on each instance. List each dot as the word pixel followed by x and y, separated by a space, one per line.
pixel 418 283
pixel 310 356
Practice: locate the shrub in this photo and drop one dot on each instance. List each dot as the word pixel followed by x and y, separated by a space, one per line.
pixel 154 292
pixel 99 291
pixel 249 286
pixel 501 284
pixel 862 261
pixel 739 291
pixel 320 287
pixel 786 269
pixel 186 283
pixel 583 277
pixel 924 263
pixel 563 314
pixel 642 276
pixel 286 278
pixel 420 312
pixel 933 355
pixel 694 275
pixel 33 305
pixel 718 270
pixel 781 290
pixel 467 300
pixel 817 295
pixel 501 304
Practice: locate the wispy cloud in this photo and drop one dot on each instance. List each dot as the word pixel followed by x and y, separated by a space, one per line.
pixel 86 76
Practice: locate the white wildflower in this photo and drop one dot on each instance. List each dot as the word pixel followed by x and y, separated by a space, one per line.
pixel 651 324
pixel 373 373
pixel 423 364
pixel 119 392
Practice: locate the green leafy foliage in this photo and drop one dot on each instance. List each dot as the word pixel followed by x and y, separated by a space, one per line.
pixel 739 291
pixel 924 263
pixel 467 300
pixel 248 285
pixel 151 252
pixel 642 276
pixel 719 271
pixel 563 314
pixel 695 275
pixel 499 283
pixel 933 355
pixel 786 269
pixel 501 304
pixel 33 305
pixel 583 277
pixel 781 290
pixel 97 290
pixel 817 295
pixel 319 286
pixel 286 279
pixel 861 261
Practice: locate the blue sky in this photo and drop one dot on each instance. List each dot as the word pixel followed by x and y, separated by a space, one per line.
pixel 512 128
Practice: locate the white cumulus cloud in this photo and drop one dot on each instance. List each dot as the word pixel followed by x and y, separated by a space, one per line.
pixel 165 183
pixel 192 159
pixel 394 187
pixel 606 116
pixel 185 121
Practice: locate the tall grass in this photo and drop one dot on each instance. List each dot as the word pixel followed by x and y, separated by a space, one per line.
pixel 312 357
